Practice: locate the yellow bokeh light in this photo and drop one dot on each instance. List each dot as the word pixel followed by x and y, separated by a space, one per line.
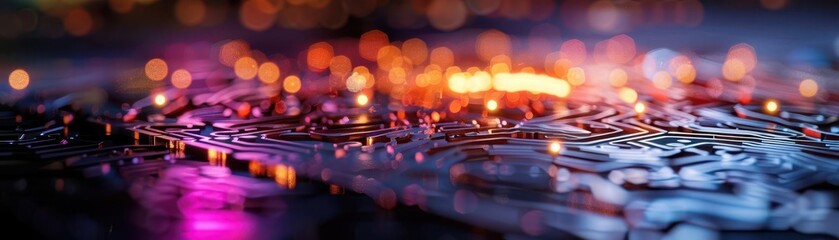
pixel 19 79
pixel 269 72
pixel 246 68
pixel 627 95
pixel 492 105
pixel 808 88
pixel 457 83
pixel 533 83
pixel 389 57
pixel 285 176
pixel 744 53
pixel 156 69
pixel 733 70
pixel 362 99
pixel 292 84
pixel 159 100
pixel 397 75
pixel 640 107
pixel 576 76
pixel 771 106
pixel 181 78
pixel 686 73
pixel 662 80
pixel 463 82
pixel 554 147
pixel 617 77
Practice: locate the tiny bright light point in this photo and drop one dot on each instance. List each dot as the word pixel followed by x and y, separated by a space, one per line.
pixel 159 100
pixel 640 107
pixel 554 147
pixel 362 99
pixel 19 79
pixel 771 106
pixel 492 105
pixel 808 88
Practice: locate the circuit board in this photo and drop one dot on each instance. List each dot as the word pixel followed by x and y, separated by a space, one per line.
pixel 586 166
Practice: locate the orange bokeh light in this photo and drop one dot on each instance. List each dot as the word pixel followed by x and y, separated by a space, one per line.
pixel 442 56
pixel 292 84
pixel 78 22
pixel 492 43
pixel 808 88
pixel 319 56
pixel 269 72
pixel 370 43
pixel 416 50
pixel 733 69
pixel 156 69
pixel 181 78
pixel 340 66
pixel 19 79
pixel 190 12
pixel 246 68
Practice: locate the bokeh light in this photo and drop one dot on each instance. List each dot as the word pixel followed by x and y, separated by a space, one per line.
pixel 319 56
pixel 78 22
pixel 159 100
pixel 19 79
pixel 156 69
pixel 292 84
pixel 771 106
pixel 362 100
pixel 447 15
pixel 269 72
pixel 370 43
pixel 246 68
pixel 190 12
pixel 808 88
pixel 492 105
pixel 181 78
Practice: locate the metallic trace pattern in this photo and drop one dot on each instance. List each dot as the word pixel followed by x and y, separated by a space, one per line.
pixel 583 167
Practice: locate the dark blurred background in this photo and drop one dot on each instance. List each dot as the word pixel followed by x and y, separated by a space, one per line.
pixel 35 30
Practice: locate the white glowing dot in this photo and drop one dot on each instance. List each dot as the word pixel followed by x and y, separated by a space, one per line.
pixel 362 99
pixel 492 105
pixel 555 147
pixel 640 108
pixel 159 100
pixel 771 106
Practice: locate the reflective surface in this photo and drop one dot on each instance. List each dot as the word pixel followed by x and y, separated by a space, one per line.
pixel 419 119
